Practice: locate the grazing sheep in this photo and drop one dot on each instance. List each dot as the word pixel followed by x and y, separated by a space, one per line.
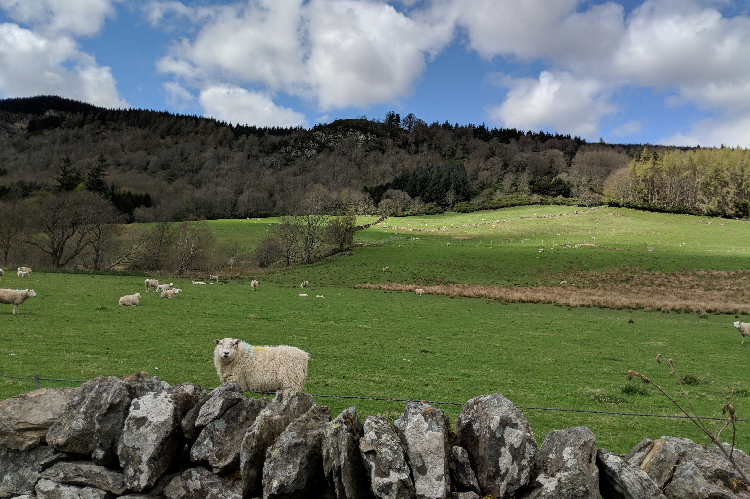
pixel 303 285
pixel 263 369
pixel 213 278
pixel 318 296
pixel 743 328
pixel 130 300
pixel 1 272
pixel 15 297
pixel 198 282
pixel 419 291
pixel 254 284
pixel 24 271
pixel 163 287
pixel 303 294
pixel 151 283
pixel 170 293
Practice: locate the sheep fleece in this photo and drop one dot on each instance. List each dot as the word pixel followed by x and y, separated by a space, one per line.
pixel 263 368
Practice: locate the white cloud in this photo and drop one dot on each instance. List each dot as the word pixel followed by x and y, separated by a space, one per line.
pixel 627 129
pixel 72 17
pixel 37 65
pixel 714 133
pixel 334 53
pixel 557 100
pixel 239 106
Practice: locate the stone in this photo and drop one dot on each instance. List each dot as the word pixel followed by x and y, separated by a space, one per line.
pixel 566 466
pixel 219 400
pixel 220 442
pixel 500 443
pixel 463 478
pixel 199 483
pixel 662 457
pixel 26 419
pixel 618 479
pixel 20 470
pixel 87 474
pixel 49 489
pixel 152 438
pixel 342 462
pixel 294 463
pixel 384 460
pixel 424 432
pixel 706 473
pixel 286 406
pixel 638 453
pixel 94 416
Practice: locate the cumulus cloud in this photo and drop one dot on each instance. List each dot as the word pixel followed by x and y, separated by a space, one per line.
pixel 76 18
pixel 34 64
pixel 730 132
pixel 556 100
pixel 45 58
pixel 239 106
pixel 332 53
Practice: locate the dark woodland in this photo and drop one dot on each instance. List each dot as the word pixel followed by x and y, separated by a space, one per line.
pixel 150 166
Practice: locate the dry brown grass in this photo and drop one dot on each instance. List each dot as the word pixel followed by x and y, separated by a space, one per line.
pixel 700 291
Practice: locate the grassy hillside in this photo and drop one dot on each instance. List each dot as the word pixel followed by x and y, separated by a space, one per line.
pixel 393 345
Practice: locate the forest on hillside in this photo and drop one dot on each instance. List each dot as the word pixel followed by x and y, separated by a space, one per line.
pixel 147 166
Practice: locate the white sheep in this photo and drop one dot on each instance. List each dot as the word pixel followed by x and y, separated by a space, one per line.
pixel 151 283
pixel 198 282
pixel 170 293
pixel 164 287
pixel 303 294
pixel 385 269
pixel 303 285
pixel 24 271
pixel 419 291
pixel 130 300
pixel 263 369
pixel 318 296
pixel 15 297
pixel 254 284
pixel 1 272
pixel 213 278
pixel 743 328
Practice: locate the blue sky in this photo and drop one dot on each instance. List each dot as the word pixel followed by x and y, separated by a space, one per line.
pixel 656 71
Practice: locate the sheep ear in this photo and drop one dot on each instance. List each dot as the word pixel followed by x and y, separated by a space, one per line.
pixel 217 341
pixel 236 342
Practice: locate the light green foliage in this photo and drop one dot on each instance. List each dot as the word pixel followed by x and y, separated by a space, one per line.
pixel 396 345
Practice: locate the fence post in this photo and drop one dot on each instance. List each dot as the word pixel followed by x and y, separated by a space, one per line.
pixel 36 381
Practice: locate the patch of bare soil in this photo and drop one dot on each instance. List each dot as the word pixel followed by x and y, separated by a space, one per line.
pixel 701 291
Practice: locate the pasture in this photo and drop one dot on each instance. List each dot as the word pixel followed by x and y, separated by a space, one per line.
pixel 386 344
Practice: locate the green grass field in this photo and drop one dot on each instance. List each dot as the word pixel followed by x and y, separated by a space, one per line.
pixel 391 345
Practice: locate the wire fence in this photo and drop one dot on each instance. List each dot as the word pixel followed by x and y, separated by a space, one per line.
pixel 37 379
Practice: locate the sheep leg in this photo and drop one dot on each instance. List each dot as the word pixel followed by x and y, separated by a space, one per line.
pixel 15 309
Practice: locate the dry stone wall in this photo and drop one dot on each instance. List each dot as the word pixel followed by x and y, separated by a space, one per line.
pixel 138 437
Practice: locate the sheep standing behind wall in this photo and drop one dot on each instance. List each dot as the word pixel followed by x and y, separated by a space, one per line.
pixel 263 369
pixel 419 291
pixel 130 300
pixel 254 284
pixel 15 297
pixel 151 283
pixel 743 328
pixel 213 278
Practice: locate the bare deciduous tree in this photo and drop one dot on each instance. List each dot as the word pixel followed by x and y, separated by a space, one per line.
pixel 12 224
pixel 63 224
